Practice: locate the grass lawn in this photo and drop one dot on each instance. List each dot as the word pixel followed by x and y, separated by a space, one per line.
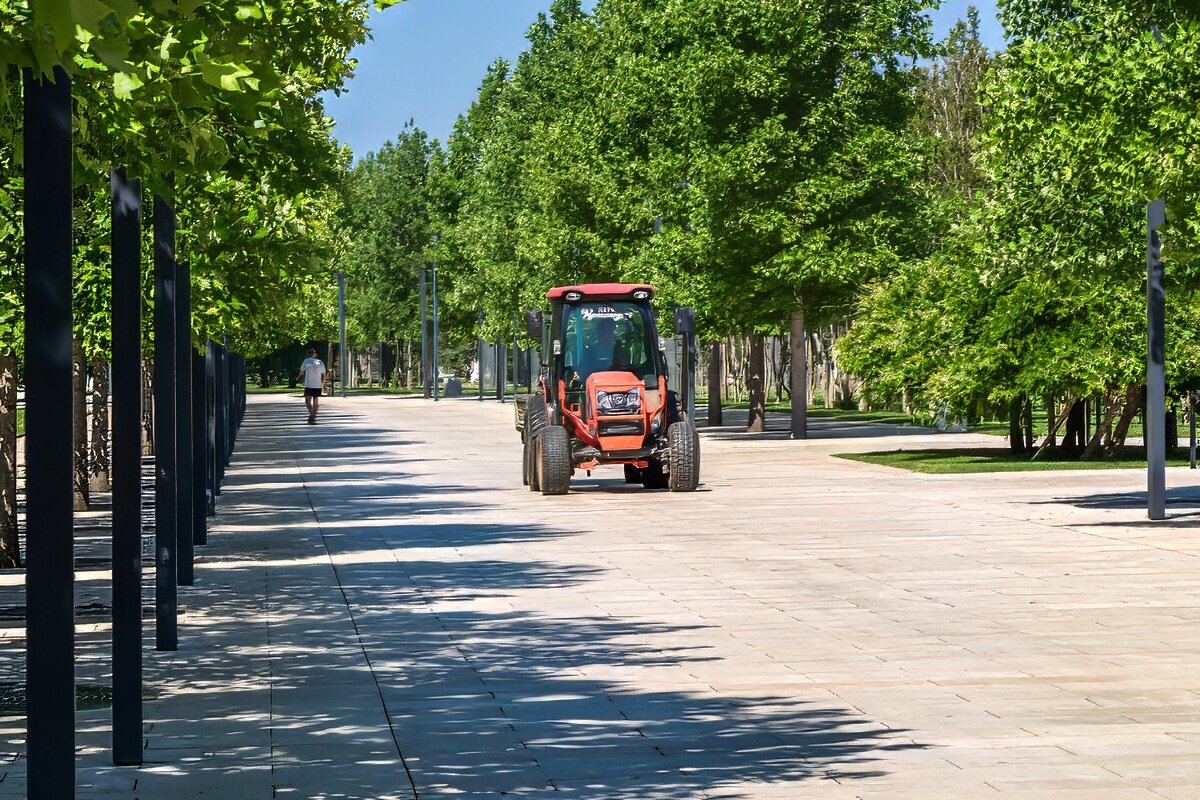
pixel 990 427
pixel 820 412
pixel 20 422
pixel 1000 459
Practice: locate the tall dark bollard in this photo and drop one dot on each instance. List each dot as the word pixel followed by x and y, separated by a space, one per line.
pixel 199 452
pixel 501 370
pixel 210 422
pixel 127 468
pixel 1156 394
pixel 426 387
pixel 222 415
pixel 183 424
pixel 241 391
pixel 166 591
pixel 49 576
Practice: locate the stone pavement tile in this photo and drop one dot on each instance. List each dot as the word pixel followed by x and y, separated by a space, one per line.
pixel 1184 791
pixel 516 774
pixel 340 771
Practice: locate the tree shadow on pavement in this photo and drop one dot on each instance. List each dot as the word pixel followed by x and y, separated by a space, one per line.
pixel 1183 502
pixel 399 639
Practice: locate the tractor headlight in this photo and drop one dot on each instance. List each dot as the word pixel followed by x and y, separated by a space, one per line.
pixel 628 402
pixel 656 423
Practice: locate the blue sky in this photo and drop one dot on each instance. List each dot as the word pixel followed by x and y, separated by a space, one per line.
pixel 427 57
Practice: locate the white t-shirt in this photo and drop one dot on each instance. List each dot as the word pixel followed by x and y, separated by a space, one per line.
pixel 313 369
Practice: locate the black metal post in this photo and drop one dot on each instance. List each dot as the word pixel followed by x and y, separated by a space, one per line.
pixel 199 453
pixel 49 575
pixel 501 370
pixel 183 425
pixel 342 366
pixel 1156 400
pixel 166 593
pixel 210 423
pixel 437 378
pixel 426 389
pixel 1192 429
pixel 127 469
pixel 222 414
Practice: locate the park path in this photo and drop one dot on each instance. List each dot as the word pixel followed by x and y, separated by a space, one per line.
pixel 383 606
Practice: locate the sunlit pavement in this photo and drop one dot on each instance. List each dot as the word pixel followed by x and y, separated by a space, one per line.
pixel 383 605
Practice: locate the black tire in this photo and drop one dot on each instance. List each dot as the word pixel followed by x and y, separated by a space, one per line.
pixel 524 461
pixel 554 460
pixel 529 456
pixel 683 457
pixel 673 413
pixel 536 419
pixel 653 476
pixel 537 416
pixel 632 474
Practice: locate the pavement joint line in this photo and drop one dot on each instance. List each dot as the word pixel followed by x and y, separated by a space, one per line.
pixel 357 632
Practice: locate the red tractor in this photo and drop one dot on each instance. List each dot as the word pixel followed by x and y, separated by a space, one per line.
pixel 602 395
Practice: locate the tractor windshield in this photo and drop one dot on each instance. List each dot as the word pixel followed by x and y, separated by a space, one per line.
pixel 609 335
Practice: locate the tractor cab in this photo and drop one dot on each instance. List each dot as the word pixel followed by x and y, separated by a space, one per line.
pixel 603 391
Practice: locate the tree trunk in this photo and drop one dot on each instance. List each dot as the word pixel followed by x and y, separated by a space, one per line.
pixel 799 377
pixel 827 369
pixel 148 406
pixel 408 365
pixel 1102 433
pixel 100 461
pixel 79 433
pixel 812 364
pixel 754 383
pixel 1027 416
pixel 10 548
pixel 715 381
pixel 1073 437
pixel 1016 438
pixel 1134 396
pixel 1050 437
pixel 1055 424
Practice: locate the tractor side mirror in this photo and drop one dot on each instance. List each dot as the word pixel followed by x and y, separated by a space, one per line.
pixel 685 321
pixel 533 324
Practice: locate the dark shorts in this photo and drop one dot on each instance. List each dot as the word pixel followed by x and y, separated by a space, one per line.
pixel 312 392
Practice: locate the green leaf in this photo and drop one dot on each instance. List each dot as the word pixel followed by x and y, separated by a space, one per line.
pixel 124 84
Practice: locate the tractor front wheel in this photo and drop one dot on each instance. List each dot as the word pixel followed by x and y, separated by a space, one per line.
pixel 683 457
pixel 632 474
pixel 554 460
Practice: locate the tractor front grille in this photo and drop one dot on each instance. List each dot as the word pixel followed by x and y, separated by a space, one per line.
pixel 620 427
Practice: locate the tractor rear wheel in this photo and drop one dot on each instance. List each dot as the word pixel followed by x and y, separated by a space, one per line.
pixel 632 474
pixel 529 465
pixel 683 457
pixel 653 476
pixel 536 418
pixel 554 460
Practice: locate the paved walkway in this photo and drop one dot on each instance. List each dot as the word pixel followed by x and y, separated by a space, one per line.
pixel 384 612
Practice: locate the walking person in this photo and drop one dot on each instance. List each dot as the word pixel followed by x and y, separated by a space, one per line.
pixel 313 371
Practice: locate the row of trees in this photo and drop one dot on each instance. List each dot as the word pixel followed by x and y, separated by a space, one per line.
pixel 1035 291
pixel 216 108
pixel 980 217
pixel 752 160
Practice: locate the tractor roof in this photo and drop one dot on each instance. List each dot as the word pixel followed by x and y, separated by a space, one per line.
pixel 601 291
